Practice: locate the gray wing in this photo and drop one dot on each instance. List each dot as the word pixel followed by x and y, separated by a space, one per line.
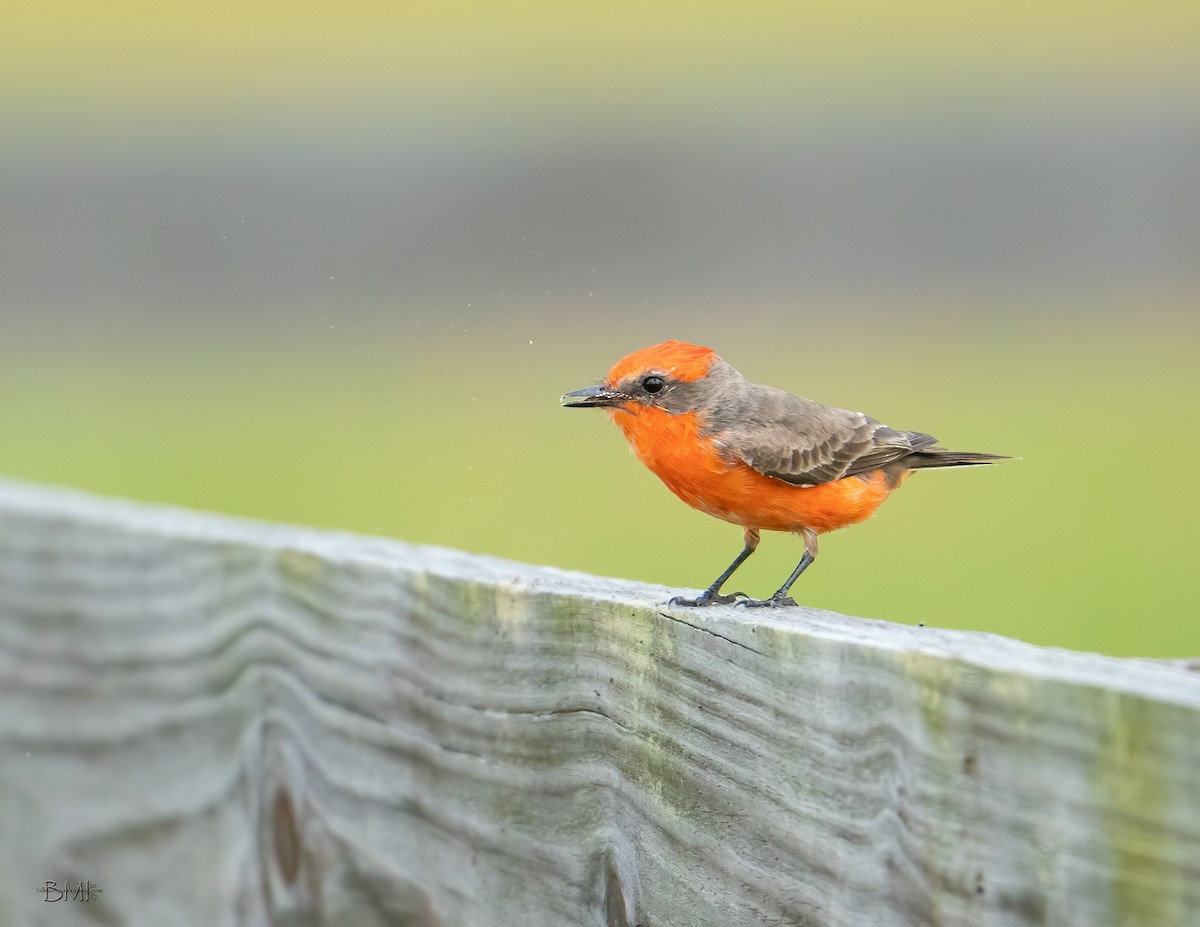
pixel 804 442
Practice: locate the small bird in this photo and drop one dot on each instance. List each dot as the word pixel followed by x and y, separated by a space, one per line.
pixel 754 455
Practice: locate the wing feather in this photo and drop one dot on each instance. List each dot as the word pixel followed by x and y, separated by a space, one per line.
pixel 804 442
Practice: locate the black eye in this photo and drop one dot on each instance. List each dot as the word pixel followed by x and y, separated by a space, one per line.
pixel 653 384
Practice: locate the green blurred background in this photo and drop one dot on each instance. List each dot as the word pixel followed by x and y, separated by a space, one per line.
pixel 334 264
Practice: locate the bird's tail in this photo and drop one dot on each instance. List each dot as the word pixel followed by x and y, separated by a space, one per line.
pixel 937 457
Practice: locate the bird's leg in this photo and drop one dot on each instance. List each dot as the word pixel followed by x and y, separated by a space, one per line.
pixel 712 595
pixel 781 596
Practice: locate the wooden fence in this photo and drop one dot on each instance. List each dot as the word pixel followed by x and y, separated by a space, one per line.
pixel 205 721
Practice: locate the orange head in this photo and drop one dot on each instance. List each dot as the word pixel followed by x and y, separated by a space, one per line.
pixel 639 378
pixel 676 359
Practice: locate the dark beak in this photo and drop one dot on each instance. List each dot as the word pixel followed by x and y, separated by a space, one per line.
pixel 593 397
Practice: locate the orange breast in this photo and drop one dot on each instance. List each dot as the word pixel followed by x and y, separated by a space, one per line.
pixel 673 447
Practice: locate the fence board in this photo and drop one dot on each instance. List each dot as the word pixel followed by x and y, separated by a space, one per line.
pixel 219 722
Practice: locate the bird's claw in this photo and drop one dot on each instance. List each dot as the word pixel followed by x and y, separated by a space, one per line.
pixel 776 601
pixel 708 598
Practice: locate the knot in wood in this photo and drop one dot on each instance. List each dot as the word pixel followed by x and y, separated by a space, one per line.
pixel 286 836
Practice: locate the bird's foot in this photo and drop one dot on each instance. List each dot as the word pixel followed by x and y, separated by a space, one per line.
pixel 708 597
pixel 778 600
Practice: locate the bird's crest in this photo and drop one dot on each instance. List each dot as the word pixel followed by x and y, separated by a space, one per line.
pixel 686 362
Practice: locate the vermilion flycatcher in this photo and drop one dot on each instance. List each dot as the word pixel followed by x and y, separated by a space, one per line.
pixel 754 455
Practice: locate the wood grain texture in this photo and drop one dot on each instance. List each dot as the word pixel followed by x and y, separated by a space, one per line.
pixel 219 722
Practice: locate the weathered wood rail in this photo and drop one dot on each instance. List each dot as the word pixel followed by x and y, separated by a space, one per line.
pixel 216 722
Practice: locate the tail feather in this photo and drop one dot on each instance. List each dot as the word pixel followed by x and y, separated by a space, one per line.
pixel 937 457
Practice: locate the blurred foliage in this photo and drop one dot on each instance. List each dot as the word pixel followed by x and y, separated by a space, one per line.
pixel 455 438
pixel 597 68
pixel 872 204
